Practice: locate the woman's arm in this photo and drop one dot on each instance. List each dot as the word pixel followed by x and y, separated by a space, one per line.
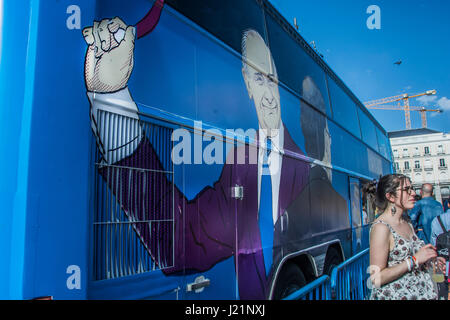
pixel 381 274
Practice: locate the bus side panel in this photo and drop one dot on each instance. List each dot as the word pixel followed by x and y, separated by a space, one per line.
pixel 16 87
pixel 57 233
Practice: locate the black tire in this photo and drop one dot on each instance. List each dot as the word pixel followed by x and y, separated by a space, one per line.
pixel 333 259
pixel 291 279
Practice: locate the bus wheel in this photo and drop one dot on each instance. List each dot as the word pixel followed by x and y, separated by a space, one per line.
pixel 332 261
pixel 291 279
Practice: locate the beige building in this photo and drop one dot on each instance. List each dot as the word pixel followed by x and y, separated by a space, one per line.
pixel 424 156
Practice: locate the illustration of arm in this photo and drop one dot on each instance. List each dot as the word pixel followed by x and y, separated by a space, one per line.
pixel 203 227
pixel 108 65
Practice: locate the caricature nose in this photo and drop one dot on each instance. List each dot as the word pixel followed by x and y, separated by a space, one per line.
pixel 269 96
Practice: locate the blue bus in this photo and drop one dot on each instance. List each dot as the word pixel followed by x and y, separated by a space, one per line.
pixel 175 149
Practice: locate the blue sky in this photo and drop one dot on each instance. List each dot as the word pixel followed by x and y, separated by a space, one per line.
pixel 414 31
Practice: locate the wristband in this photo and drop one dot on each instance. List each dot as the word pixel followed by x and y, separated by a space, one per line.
pixel 408 262
pixel 413 265
pixel 416 264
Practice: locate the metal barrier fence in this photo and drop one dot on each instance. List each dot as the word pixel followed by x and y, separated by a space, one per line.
pixel 319 289
pixel 348 281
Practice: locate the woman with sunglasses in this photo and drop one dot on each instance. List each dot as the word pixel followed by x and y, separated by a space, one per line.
pixel 398 258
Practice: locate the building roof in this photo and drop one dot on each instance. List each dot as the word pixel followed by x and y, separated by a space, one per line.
pixel 411 132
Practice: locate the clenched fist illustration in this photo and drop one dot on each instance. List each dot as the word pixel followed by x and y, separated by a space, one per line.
pixel 109 56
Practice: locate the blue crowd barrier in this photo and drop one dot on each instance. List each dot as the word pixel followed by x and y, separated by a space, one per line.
pixel 348 281
pixel 319 289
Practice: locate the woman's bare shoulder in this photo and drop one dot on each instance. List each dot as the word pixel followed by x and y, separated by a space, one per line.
pixel 380 228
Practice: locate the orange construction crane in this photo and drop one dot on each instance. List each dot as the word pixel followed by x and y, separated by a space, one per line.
pixel 375 104
pixel 422 111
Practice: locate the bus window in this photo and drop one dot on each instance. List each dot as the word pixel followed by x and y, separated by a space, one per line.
pixel 227 20
pixel 316 132
pixel 344 109
pixel 358 239
pixel 368 132
pixel 301 73
pixel 368 209
pixel 383 144
pixel 355 202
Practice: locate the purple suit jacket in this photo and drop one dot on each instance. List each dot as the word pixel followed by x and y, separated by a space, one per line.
pixel 206 226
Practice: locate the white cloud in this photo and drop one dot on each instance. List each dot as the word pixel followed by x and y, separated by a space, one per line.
pixel 444 103
pixel 427 100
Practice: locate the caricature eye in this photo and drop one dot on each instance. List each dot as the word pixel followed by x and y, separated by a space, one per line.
pixel 259 79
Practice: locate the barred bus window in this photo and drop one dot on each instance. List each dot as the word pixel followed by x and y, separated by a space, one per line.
pixel 133 199
pixel 226 20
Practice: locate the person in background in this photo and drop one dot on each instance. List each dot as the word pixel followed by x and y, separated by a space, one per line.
pixel 445 205
pixel 436 230
pixel 424 212
pixel 397 256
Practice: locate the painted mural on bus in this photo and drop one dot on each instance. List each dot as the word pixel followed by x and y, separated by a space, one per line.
pixel 269 194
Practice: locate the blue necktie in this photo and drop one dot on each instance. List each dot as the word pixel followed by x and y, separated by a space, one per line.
pixel 265 211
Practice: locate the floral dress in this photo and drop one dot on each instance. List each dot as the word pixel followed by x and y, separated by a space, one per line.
pixel 414 285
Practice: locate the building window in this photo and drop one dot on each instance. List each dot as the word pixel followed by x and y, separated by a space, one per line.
pixel 427 150
pixel 406 165
pixel 445 192
pixel 418 177
pixel 417 164
pixel 395 153
pixel 397 166
pixel 442 162
pixel 405 152
pixel 440 149
pixel 416 151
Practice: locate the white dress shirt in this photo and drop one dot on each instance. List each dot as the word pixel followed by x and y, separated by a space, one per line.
pixel 115 122
pixel 275 161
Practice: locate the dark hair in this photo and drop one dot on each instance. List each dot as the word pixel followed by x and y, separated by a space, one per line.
pixel 387 184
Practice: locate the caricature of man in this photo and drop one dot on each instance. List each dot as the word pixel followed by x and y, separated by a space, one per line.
pixel 328 209
pixel 109 62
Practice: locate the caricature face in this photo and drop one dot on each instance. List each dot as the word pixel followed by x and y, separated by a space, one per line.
pixel 261 80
